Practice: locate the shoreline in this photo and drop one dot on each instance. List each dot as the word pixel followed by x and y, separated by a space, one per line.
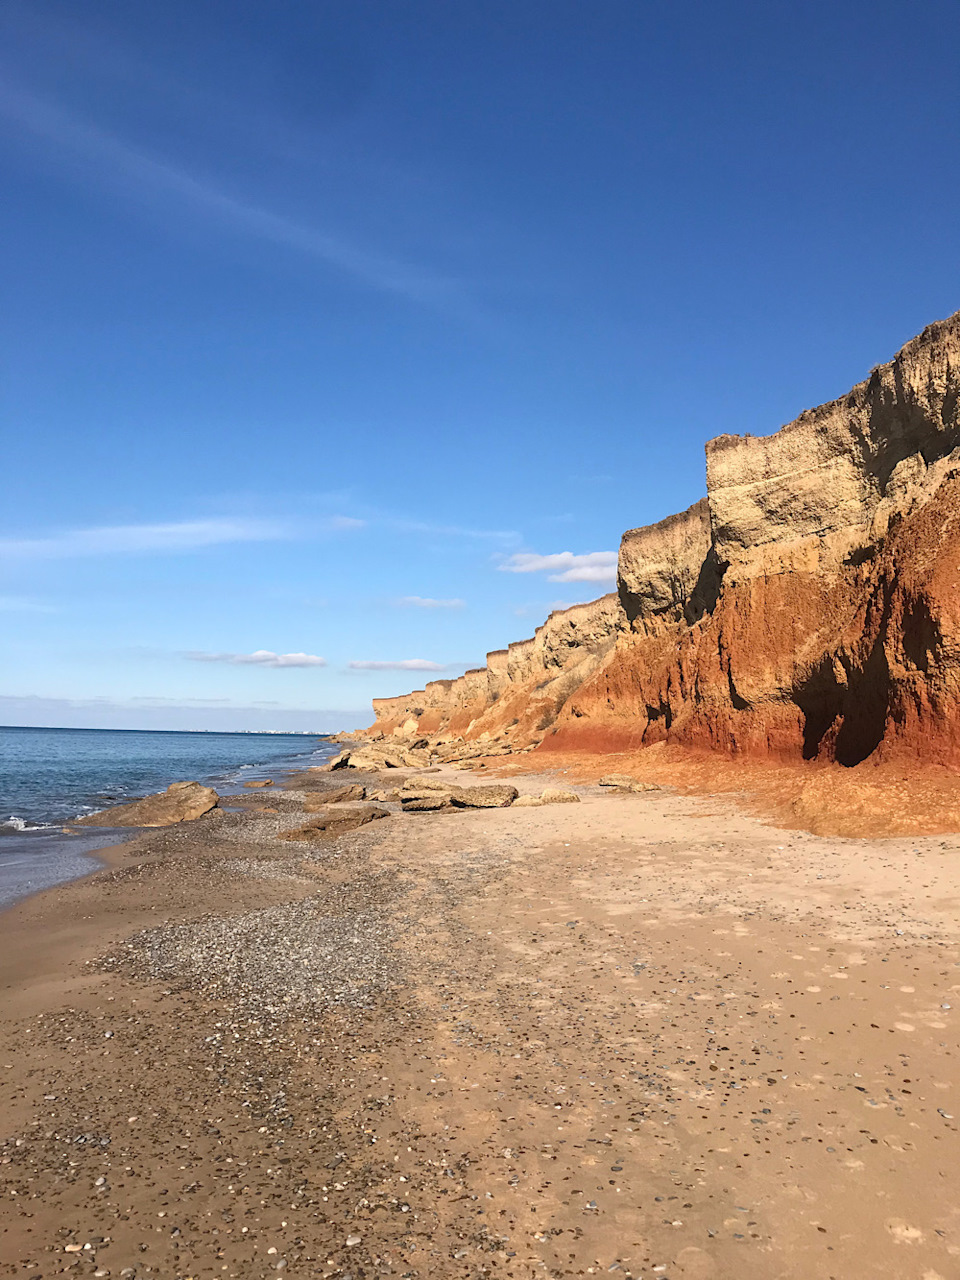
pixel 53 848
pixel 637 1031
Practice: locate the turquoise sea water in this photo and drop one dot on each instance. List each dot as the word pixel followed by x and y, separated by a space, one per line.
pixel 48 776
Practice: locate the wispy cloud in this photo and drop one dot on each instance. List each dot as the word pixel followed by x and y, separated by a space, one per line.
pixel 134 539
pixel 160 701
pixel 405 664
pixel 427 602
pixel 129 164
pixel 24 604
pixel 564 566
pixel 454 530
pixel 164 713
pixel 260 658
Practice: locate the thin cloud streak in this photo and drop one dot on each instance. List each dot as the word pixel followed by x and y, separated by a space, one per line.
pixel 454 531
pixel 137 539
pixel 260 658
pixel 23 604
pixel 51 122
pixel 564 566
pixel 427 602
pixel 405 664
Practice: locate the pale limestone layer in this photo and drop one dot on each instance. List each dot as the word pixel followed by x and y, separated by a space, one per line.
pixel 825 487
pixel 662 569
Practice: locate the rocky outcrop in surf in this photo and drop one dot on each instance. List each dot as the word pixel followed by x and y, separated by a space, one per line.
pixel 807 607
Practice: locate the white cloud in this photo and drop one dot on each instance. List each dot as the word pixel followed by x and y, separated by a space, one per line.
pixel 404 664
pixel 427 602
pixel 564 566
pixel 261 658
pixel 345 522
pixel 134 539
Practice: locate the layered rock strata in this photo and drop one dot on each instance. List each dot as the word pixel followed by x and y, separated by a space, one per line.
pixel 807 608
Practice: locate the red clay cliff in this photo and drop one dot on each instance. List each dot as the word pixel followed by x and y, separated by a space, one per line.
pixel 808 608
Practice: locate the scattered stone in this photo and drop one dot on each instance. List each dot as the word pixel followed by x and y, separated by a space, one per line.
pixel 527 802
pixel 273 962
pixel 181 802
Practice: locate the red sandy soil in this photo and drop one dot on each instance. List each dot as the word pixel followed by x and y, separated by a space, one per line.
pixel 870 800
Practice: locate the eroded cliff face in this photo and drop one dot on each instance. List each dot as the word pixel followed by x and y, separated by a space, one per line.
pixel 513 699
pixel 807 608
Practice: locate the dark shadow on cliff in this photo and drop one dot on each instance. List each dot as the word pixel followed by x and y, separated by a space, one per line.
pixel 845 721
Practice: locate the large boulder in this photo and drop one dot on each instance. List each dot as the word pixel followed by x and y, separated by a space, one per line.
pixel 181 802
pixel 336 822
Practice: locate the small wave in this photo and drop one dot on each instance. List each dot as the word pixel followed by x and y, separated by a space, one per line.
pixel 15 823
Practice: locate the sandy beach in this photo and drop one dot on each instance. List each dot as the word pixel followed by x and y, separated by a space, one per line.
pixel 649 1035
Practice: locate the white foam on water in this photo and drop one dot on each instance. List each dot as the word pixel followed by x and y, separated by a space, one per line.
pixel 15 823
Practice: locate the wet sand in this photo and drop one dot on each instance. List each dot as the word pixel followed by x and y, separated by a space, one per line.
pixel 645 1035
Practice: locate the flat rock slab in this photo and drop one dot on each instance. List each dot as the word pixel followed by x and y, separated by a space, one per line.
pixel 181 802
pixel 267 782
pixel 335 823
pixel 624 782
pixel 436 802
pixel 553 795
pixel 495 797
pixel 341 795
pixel 428 796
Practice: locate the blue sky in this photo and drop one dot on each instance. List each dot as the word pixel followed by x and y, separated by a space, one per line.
pixel 359 332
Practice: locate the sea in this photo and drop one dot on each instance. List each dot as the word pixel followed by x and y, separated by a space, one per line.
pixel 50 776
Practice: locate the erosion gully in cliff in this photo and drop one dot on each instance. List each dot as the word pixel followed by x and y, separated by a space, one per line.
pixel 806 608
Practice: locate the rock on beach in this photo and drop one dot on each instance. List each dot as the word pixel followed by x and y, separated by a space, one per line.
pixel 181 802
pixel 334 823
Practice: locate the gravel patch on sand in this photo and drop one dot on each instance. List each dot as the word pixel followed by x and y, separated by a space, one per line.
pixel 264 869
pixel 286 960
